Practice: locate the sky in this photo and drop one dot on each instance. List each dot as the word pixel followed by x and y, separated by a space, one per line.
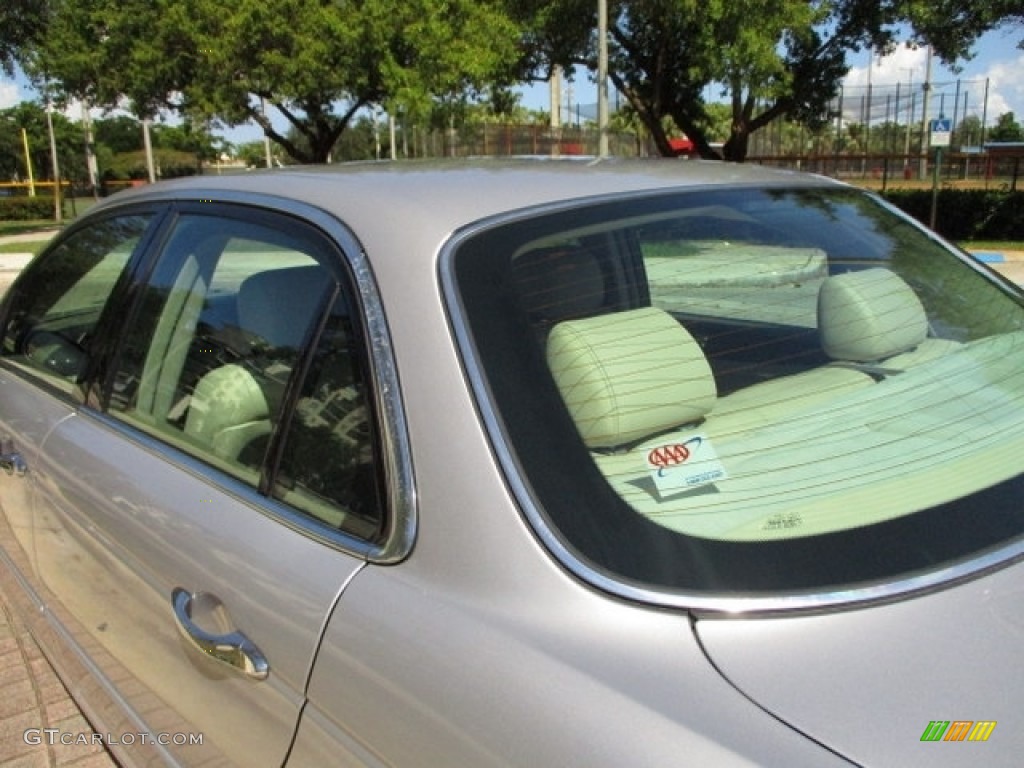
pixel 997 64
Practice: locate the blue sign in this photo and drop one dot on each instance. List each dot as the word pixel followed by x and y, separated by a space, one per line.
pixel 941 132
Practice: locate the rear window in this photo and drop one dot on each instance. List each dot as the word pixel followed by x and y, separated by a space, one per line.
pixel 748 391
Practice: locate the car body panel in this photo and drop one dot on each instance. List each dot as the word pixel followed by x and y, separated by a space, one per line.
pixel 118 529
pixel 869 682
pixel 23 427
pixel 452 676
pixel 384 203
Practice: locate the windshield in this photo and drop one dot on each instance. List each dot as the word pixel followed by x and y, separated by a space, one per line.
pixel 749 391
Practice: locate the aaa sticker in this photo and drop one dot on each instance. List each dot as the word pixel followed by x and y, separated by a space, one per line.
pixel 683 464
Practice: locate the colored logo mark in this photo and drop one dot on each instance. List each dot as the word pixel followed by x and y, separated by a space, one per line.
pixel 672 455
pixel 958 730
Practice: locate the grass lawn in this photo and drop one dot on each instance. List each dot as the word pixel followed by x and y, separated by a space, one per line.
pixel 72 210
pixel 993 245
pixel 21 227
pixel 33 247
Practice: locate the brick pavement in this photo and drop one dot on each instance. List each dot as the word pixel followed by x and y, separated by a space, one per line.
pixel 32 700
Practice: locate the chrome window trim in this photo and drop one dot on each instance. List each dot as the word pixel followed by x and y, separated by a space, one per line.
pixel 136 264
pixel 400 511
pixel 700 604
pixel 239 489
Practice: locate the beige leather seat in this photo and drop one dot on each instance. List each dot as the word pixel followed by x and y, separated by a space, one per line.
pixel 873 316
pixel 279 305
pixel 227 411
pixel 629 375
pixel 558 283
pixel 872 325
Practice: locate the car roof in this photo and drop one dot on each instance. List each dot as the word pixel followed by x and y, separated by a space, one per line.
pixel 435 198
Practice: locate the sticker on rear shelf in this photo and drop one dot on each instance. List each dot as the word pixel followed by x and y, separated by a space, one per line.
pixel 683 464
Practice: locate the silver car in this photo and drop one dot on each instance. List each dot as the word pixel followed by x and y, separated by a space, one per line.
pixel 525 463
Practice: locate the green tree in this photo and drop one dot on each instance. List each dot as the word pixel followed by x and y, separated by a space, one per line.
pixel 968 133
pixel 1006 129
pixel 318 64
pixel 189 137
pixel 32 118
pixel 770 60
pixel 112 53
pixel 252 153
pixel 953 26
pixel 780 59
pixel 22 23
pixel 120 133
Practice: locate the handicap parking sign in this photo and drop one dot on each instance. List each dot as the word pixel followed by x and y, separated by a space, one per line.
pixel 940 131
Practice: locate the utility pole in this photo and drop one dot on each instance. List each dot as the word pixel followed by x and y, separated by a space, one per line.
pixel 555 97
pixel 602 78
pixel 910 118
pixel 90 153
pixel 148 145
pixel 58 205
pixel 268 158
pixel 867 108
pixel 923 174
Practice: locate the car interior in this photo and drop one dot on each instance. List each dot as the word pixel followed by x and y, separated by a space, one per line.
pixel 774 378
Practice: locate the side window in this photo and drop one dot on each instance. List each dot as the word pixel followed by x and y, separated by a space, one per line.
pixel 217 363
pixel 58 302
pixel 327 467
pixel 218 332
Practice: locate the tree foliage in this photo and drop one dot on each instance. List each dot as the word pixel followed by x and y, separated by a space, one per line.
pixel 31 118
pixel 318 64
pixel 22 24
pixel 769 60
pixel 1006 129
pixel 952 27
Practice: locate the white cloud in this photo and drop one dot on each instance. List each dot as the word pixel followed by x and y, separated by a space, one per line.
pixel 951 92
pixel 9 94
pixel 1006 87
pixel 904 65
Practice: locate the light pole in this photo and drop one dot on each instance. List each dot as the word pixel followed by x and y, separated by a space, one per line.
pixel 58 206
pixel 147 145
pixel 910 116
pixel 602 78
pixel 924 114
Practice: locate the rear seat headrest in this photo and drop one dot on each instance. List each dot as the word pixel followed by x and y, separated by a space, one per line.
pixel 869 315
pixel 262 297
pixel 558 283
pixel 627 375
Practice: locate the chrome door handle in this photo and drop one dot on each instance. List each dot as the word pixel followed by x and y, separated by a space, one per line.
pixel 233 648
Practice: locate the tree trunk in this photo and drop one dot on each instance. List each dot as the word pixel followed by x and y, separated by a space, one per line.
pixel 735 148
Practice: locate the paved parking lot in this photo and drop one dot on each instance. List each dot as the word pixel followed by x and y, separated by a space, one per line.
pixel 40 726
pixel 10 266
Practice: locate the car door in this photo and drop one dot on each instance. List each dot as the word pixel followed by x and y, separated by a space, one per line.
pixel 51 314
pixel 198 522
